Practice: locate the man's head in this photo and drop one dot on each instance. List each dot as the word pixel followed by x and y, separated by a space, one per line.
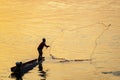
pixel 44 40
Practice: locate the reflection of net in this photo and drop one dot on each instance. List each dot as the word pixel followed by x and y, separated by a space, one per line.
pixel 78 49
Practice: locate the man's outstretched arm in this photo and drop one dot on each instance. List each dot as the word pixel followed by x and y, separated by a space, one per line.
pixel 47 46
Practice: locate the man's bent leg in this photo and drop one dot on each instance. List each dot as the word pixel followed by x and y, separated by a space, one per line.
pixel 40 55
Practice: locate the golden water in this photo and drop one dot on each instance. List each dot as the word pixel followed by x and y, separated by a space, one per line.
pixel 75 29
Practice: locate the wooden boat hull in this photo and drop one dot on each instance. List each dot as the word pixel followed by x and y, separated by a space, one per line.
pixel 27 65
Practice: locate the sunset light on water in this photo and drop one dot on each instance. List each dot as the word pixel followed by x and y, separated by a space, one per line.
pixel 83 35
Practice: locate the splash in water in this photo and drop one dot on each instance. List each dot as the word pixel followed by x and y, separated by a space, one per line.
pixel 68 60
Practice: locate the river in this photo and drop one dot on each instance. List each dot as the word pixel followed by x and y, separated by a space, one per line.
pixel 75 30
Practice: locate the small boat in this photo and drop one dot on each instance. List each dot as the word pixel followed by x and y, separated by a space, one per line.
pixel 25 67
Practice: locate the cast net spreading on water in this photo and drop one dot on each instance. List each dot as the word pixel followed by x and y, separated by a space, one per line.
pixel 77 43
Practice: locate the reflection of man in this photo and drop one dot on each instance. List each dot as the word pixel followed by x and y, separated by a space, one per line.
pixel 41 46
pixel 42 72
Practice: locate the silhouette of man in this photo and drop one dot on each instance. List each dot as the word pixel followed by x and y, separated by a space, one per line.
pixel 40 48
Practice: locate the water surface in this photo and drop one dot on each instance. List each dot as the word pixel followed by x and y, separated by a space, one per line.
pixel 75 29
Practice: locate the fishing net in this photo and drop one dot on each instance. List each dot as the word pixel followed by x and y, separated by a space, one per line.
pixel 78 42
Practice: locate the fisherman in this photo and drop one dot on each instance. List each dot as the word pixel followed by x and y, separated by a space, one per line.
pixel 40 48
